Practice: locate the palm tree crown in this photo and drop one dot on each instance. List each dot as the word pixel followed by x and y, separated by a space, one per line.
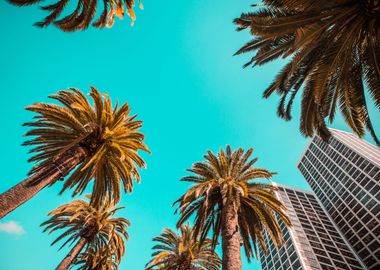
pixel 335 49
pixel 103 233
pixel 110 135
pixel 83 14
pixel 184 251
pixel 98 257
pixel 224 181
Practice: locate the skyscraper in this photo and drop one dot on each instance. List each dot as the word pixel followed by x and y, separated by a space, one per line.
pixel 312 243
pixel 345 176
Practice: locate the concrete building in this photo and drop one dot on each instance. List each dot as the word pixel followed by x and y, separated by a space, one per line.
pixel 345 177
pixel 312 243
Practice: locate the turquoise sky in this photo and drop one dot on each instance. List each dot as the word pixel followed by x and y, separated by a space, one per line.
pixel 175 68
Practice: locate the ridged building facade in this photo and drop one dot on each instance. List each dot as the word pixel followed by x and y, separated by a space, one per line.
pixel 337 225
pixel 345 177
pixel 312 243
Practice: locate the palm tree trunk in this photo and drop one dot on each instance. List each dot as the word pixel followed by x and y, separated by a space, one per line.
pixel 185 266
pixel 231 259
pixel 26 189
pixel 66 262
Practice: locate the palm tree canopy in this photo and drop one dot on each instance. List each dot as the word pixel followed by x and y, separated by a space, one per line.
pixel 109 134
pixel 335 54
pixel 98 257
pixel 79 219
pixel 175 251
pixel 225 179
pixel 84 13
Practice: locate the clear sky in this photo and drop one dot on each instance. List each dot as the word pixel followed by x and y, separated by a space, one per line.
pixel 176 70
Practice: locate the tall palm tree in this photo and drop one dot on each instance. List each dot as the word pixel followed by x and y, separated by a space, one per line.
pixel 90 228
pixel 96 142
pixel 335 54
pixel 83 14
pixel 225 200
pixel 183 252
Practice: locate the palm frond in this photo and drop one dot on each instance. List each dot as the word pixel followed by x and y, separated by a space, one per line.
pixel 105 234
pixel 183 251
pixel 327 42
pixel 109 135
pixel 227 179
pixel 84 13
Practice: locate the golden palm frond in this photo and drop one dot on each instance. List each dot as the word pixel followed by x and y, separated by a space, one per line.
pixel 226 179
pixel 98 257
pixel 109 135
pixel 84 13
pixel 183 251
pixel 335 55
pixel 104 233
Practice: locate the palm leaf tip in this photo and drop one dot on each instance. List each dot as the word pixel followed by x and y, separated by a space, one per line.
pixel 84 14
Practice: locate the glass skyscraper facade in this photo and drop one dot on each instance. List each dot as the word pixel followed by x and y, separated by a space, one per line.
pixel 345 177
pixel 312 243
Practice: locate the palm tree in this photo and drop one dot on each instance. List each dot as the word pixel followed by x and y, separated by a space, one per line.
pixel 83 14
pixel 225 200
pixel 335 49
pixel 97 143
pixel 183 252
pixel 90 228
pixel 100 257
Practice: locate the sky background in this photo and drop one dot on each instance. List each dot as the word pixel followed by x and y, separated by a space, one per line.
pixel 176 70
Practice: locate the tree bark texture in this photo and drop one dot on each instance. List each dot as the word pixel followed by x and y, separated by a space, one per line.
pixel 26 189
pixel 67 261
pixel 231 259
